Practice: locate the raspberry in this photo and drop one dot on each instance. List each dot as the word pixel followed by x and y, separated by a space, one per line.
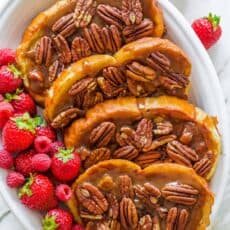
pixel 1 98
pixel 6 111
pixel 63 192
pixel 6 160
pixel 46 131
pixel 7 56
pixel 41 162
pixel 77 227
pixel 15 179
pixel 55 146
pixel 42 144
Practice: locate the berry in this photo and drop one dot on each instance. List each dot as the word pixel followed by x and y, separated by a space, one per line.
pixel 57 219
pixel 1 98
pixel 55 146
pixel 6 160
pixel 77 227
pixel 9 79
pixel 23 162
pixel 46 131
pixel 63 192
pixel 208 30
pixel 42 144
pixel 37 193
pixel 65 165
pixel 6 111
pixel 15 179
pixel 19 132
pixel 7 56
pixel 22 102
pixel 41 162
pixel 52 204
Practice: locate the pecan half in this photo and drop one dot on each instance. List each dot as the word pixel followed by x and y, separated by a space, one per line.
pixel 43 51
pixel 62 47
pixel 203 166
pixel 102 134
pixel 128 214
pixel 180 193
pixel 92 199
pixel 163 128
pixel 55 69
pixel 128 152
pixel 139 72
pixel 187 133
pixel 177 219
pixel 145 223
pixel 91 99
pixel 80 49
pixel 114 225
pixel 181 154
pixel 114 76
pixel 146 159
pixel 93 36
pixel 135 32
pixel 111 15
pixel 126 186
pixel 168 83
pixel 113 206
pixel 132 12
pixel 84 12
pixel 65 25
pixel 162 212
pixel 89 216
pixel 65 117
pixel 96 156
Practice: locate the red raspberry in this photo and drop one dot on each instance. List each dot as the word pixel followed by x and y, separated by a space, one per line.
pixel 7 56
pixel 63 192
pixel 55 146
pixel 1 98
pixel 6 160
pixel 15 179
pixel 6 111
pixel 41 162
pixel 42 144
pixel 46 131
pixel 77 227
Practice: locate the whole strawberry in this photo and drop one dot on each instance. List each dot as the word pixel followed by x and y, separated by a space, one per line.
pixel 7 56
pixel 9 79
pixel 208 30
pixel 37 193
pixel 22 102
pixel 19 132
pixel 6 111
pixel 65 165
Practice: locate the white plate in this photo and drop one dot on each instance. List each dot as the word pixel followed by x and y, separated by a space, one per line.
pixel 206 91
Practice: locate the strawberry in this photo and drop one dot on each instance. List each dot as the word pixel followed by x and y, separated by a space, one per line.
pixel 9 79
pixel 77 227
pixel 208 29
pixel 7 56
pixel 6 111
pixel 19 132
pixel 22 102
pixel 46 131
pixel 57 219
pixel 65 165
pixel 37 192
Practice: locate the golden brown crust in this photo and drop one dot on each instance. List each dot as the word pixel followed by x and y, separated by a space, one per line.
pixel 171 171
pixel 132 109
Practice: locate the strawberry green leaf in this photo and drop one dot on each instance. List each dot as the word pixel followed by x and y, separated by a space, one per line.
pixel 13 96
pixel 49 223
pixel 65 155
pixel 215 20
pixel 14 70
pixel 25 190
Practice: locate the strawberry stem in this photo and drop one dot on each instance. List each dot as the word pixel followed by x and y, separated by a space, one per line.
pixel 215 20
pixel 14 70
pixel 25 190
pixel 13 96
pixel 65 155
pixel 49 223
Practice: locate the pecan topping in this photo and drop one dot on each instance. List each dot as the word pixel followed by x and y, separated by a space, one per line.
pixel 140 72
pixel 126 186
pixel 63 49
pixel 43 51
pixel 128 214
pixel 160 142
pixel 163 128
pixel 111 15
pixel 135 32
pixel 128 152
pixel 55 69
pixel 89 216
pixel 91 99
pixel 177 219
pixel 114 76
pixel 115 225
pixel 145 223
pixel 132 12
pixel 187 134
pixel 65 117
pixel 162 212
pixel 102 134
pixel 180 193
pixel 146 159
pixel 84 12
pixel 80 49
pixel 111 38
pixel 181 154
pixel 106 183
pixel 203 166
pixel 96 156
pixel 93 36
pixel 65 25
pixel 92 199
pixel 113 206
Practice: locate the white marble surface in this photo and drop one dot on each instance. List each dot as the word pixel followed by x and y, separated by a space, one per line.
pixel 220 55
